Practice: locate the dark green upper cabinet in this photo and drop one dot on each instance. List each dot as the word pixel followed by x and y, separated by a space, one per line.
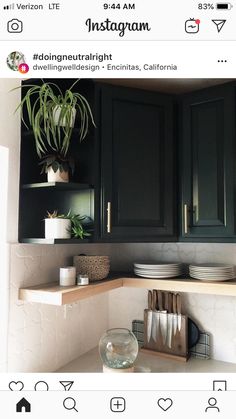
pixel 207 164
pixel 126 173
pixel 137 166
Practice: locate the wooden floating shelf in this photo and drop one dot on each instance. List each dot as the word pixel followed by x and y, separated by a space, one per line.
pixel 54 294
pixel 189 285
pixel 62 186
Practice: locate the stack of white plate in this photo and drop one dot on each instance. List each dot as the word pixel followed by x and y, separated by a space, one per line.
pixel 158 270
pixel 212 272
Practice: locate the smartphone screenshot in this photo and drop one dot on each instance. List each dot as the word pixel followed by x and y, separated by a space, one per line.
pixel 118 209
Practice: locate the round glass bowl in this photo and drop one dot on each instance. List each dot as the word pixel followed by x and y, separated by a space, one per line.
pixel 118 350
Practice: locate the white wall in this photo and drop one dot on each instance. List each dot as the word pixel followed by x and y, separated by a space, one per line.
pixel 9 139
pixel 43 337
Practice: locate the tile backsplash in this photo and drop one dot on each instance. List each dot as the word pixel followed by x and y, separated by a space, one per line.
pixel 44 338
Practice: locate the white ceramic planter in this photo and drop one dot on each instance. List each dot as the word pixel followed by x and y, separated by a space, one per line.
pixel 56 115
pixel 57 176
pixel 57 228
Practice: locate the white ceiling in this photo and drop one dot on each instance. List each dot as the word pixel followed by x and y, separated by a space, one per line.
pixel 174 86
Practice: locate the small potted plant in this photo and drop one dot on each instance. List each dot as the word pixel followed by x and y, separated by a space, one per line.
pixel 51 115
pixel 57 167
pixel 57 226
pixel 77 229
pixel 60 226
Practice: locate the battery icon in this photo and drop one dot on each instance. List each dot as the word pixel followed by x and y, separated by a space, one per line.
pixel 224 6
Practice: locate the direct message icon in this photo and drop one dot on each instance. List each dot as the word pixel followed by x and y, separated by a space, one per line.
pixel 165 404
pixel 67 385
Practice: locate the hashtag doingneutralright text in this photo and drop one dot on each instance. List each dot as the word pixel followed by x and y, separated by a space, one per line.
pixel 72 57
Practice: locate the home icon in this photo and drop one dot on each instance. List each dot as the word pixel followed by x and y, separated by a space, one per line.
pixel 23 406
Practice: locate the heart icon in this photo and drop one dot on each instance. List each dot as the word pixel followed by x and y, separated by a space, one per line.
pixel 165 404
pixel 16 385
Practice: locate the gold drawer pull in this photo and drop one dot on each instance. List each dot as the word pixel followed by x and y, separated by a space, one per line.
pixel 186 219
pixel 109 217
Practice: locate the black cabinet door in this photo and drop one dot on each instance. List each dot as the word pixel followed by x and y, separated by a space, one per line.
pixel 137 193
pixel 207 163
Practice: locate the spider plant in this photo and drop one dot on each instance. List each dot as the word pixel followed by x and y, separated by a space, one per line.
pixel 50 113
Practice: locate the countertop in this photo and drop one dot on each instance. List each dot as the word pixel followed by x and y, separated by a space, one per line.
pixel 90 362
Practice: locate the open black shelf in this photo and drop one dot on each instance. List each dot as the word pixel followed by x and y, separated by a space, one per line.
pixel 69 186
pixel 55 241
pixel 30 133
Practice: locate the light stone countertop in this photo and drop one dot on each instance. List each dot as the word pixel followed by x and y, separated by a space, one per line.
pixel 90 362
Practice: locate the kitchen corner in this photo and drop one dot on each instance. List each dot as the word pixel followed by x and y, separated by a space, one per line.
pixel 146 199
pixel 61 334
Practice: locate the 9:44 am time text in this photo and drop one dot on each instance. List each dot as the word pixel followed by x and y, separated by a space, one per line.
pixel 119 6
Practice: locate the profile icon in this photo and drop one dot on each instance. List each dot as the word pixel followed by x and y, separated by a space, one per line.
pixel 212 405
pixel 16 62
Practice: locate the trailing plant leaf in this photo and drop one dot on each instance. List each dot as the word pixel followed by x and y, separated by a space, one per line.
pixel 41 103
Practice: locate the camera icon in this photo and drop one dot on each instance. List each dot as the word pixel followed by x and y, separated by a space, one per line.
pixel 15 26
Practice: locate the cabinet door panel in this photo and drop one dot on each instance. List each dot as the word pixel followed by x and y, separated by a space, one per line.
pixel 137 164
pixel 137 181
pixel 208 177
pixel 207 164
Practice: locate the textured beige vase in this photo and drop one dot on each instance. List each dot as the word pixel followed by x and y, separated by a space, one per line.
pixel 96 267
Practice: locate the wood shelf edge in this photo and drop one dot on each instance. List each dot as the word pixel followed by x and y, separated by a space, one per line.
pixel 188 285
pixel 54 294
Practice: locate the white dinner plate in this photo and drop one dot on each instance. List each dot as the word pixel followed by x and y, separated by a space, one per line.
pixel 157 272
pixel 211 266
pixel 157 266
pixel 213 273
pixel 212 280
pixel 157 276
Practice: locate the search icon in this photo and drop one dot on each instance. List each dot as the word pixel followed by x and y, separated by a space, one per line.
pixel 70 404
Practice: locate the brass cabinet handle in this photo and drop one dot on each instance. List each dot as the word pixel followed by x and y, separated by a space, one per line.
pixel 185 219
pixel 109 217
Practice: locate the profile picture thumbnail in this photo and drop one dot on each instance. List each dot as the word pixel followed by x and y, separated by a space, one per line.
pixel 16 60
